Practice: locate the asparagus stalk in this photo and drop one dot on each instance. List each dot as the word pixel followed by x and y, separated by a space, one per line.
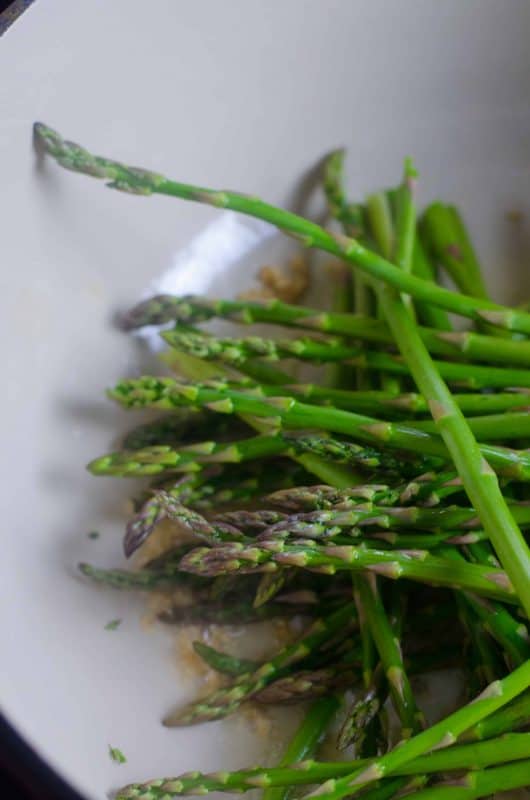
pixel 481 755
pixel 163 458
pixel 380 219
pixel 510 634
pixel 439 232
pixel 390 654
pixel 483 663
pixel 445 342
pixel 134 180
pixel 389 404
pixel 237 352
pixel 351 216
pixel 429 315
pixel 278 412
pixel 416 565
pixel 490 427
pixel 477 475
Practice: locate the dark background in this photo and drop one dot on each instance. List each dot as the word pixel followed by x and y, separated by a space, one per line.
pixel 23 775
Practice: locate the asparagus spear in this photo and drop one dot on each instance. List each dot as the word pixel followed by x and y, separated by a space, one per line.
pixel 390 654
pixel 192 309
pixel 348 214
pixel 150 392
pixel 163 458
pixel 134 180
pixel 477 475
pixel 237 352
pixel 416 565
pixel 429 487
pixel 380 220
pixel 444 239
pixel 511 634
pixel 351 216
pixel 431 316
pixel 481 755
pixel 316 524
pixel 490 427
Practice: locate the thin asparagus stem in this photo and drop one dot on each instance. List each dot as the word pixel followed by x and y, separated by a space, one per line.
pixel 165 458
pixel 380 219
pixel 389 404
pixel 351 216
pixel 368 652
pixel 390 654
pixel 429 315
pixel 236 352
pixel 490 427
pixel 510 634
pixel 348 214
pixel 477 475
pixel 438 229
pixel 190 309
pixel 134 180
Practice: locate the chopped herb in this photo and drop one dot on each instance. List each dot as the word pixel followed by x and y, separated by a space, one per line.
pixel 116 755
pixel 113 624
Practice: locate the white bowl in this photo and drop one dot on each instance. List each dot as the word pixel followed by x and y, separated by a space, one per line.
pixel 245 94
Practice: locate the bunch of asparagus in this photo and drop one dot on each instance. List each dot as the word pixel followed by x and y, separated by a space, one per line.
pixel 387 503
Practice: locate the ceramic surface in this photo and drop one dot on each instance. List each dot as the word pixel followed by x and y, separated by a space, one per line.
pixel 243 94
